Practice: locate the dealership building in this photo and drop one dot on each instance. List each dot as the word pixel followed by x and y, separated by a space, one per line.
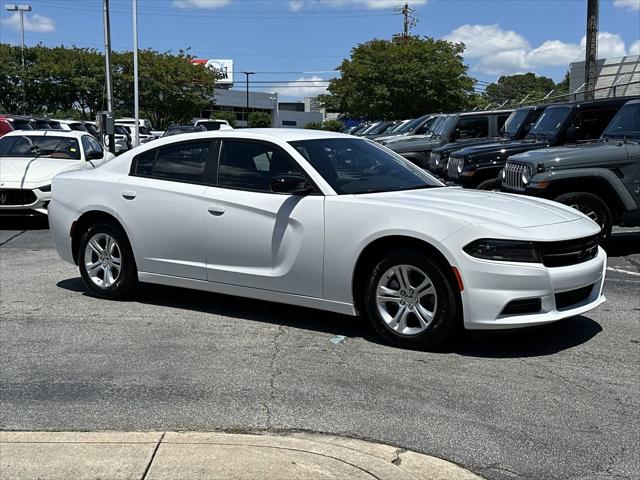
pixel 616 77
pixel 283 114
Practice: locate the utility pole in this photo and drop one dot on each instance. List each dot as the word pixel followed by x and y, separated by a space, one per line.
pixel 247 74
pixel 136 103
pixel 107 55
pixel 409 21
pixel 591 57
pixel 20 9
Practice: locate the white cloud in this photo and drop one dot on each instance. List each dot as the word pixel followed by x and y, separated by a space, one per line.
pixel 297 5
pixel 200 3
pixel 484 40
pixel 504 52
pixel 32 23
pixel 634 49
pixel 628 4
pixel 303 87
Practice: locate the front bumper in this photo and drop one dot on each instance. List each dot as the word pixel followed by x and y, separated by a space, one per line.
pixel 11 202
pixel 490 286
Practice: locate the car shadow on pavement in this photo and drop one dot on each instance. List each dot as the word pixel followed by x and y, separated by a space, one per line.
pixel 528 342
pixel 531 342
pixel 622 244
pixel 36 222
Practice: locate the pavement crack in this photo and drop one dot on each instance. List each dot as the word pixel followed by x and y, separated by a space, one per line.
pixel 275 372
pixel 153 456
pixel 12 237
pixel 397 460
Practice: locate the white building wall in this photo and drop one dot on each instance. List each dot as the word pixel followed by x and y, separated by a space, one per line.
pixel 613 74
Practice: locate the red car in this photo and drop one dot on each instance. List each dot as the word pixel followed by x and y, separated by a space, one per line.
pixel 9 124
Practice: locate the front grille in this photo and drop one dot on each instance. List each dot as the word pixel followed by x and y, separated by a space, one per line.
pixel 566 300
pixel 568 252
pixel 15 196
pixel 523 307
pixel 452 166
pixel 513 175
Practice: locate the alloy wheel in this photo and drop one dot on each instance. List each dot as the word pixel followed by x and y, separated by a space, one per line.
pixel 103 260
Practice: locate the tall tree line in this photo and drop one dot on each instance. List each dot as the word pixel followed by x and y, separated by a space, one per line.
pixel 70 82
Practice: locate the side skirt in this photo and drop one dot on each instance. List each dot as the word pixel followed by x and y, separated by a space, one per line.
pixel 248 292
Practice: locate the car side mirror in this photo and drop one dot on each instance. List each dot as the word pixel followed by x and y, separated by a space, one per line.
pixel 292 184
pixel 93 155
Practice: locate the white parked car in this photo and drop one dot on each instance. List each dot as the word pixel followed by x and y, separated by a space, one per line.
pixel 327 221
pixel 70 125
pixel 30 158
pixel 213 124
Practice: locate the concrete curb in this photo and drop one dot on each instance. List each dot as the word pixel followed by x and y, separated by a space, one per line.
pixel 215 455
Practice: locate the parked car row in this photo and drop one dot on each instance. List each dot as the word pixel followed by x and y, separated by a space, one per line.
pixel 554 151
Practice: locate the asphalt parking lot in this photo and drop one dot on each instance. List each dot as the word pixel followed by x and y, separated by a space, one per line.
pixel 555 402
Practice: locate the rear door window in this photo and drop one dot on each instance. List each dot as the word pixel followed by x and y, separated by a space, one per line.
pixel 183 162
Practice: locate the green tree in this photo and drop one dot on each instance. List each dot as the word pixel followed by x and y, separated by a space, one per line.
pixel 514 88
pixel 259 120
pixel 228 116
pixel 392 80
pixel 333 126
pixel 314 126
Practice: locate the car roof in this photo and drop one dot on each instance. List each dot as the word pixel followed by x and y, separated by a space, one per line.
pixel 49 133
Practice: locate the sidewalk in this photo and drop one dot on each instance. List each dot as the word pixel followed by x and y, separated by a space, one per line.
pixel 216 455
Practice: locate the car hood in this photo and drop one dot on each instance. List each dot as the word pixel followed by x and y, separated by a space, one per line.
pixel 22 171
pixel 450 147
pixel 503 149
pixel 478 207
pixel 414 144
pixel 580 154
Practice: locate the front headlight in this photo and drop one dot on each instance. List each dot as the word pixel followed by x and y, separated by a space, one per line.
pixel 460 167
pixel 526 176
pixel 504 250
pixel 45 188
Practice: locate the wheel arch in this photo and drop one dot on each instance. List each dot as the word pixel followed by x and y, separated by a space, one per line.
pixel 597 186
pixel 375 250
pixel 88 218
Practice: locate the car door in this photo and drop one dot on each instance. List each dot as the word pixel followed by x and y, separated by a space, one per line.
pixel 257 238
pixel 161 203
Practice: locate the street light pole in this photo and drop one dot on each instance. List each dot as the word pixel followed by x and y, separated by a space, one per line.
pixel 247 74
pixel 20 9
pixel 107 55
pixel 136 103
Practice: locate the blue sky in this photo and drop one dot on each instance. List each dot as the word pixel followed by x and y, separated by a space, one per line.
pixel 301 41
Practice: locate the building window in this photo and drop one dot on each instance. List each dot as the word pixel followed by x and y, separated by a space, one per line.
pixel 289 123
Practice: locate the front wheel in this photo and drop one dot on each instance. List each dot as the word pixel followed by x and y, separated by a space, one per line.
pixel 410 301
pixel 492 185
pixel 106 262
pixel 592 206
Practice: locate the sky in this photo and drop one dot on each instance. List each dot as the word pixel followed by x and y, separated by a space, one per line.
pixel 294 46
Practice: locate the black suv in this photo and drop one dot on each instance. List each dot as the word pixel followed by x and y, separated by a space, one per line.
pixel 458 127
pixel 560 124
pixel 602 179
pixel 516 127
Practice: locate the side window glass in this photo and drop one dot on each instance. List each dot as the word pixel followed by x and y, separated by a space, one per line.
pixel 86 146
pixel 251 166
pixel 473 127
pixel 144 164
pixel 95 145
pixel 591 124
pixel 182 162
pixel 502 119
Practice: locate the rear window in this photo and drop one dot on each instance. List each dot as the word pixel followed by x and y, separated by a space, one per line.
pixel 41 147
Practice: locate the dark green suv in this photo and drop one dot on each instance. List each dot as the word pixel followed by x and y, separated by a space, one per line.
pixel 601 179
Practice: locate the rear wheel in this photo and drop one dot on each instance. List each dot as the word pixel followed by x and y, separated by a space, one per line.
pixel 106 262
pixel 592 206
pixel 410 301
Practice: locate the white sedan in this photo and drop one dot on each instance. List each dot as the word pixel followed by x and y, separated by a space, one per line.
pixel 30 158
pixel 326 221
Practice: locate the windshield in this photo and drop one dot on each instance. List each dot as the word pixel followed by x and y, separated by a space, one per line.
pixel 410 125
pixel 443 125
pixel 354 166
pixel 514 122
pixel 550 122
pixel 91 129
pixel 32 146
pixel 625 124
pixel 177 130
pixel 144 130
pixel 211 125
pixel 21 125
pixel 41 125
pixel 380 128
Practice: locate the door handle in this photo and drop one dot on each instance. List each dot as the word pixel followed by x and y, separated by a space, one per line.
pixel 216 210
pixel 128 195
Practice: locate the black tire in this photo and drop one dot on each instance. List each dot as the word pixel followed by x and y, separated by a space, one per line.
pixel 445 319
pixel 127 278
pixel 592 206
pixel 490 185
